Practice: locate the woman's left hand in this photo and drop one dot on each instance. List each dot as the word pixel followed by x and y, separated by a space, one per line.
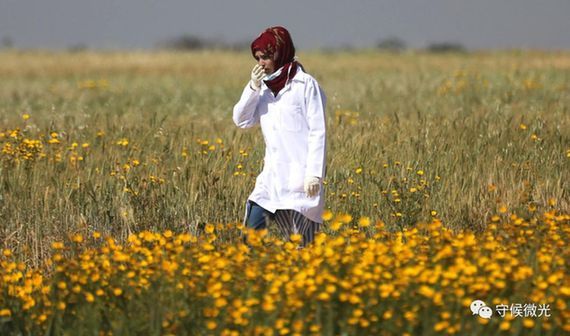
pixel 312 186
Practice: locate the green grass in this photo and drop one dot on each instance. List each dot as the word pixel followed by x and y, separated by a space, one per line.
pixel 456 117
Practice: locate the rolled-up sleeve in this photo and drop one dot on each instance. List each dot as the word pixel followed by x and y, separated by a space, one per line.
pixel 315 102
pixel 245 111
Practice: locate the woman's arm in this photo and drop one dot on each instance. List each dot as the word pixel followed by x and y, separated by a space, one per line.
pixel 245 111
pixel 315 102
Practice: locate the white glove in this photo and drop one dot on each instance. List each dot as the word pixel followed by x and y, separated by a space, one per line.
pixel 312 186
pixel 256 75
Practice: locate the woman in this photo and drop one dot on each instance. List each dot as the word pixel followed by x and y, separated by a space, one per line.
pixel 290 106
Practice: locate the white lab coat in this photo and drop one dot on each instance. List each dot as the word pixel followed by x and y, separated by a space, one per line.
pixel 293 127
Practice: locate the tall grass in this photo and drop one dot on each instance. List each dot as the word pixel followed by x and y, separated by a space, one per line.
pixel 145 141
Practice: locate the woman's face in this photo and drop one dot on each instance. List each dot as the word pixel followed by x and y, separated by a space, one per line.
pixel 266 61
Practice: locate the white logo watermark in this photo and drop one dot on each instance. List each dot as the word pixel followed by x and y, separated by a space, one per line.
pixel 478 307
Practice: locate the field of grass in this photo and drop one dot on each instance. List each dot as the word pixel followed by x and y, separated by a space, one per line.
pixel 436 164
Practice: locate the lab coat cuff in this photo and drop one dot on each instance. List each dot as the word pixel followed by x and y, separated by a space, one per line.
pixel 315 171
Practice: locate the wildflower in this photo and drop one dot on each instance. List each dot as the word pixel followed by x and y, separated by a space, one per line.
pixel 364 222
pixel 441 326
pixel 89 297
pixel 295 238
pixel 426 291
pixel 552 201
pixel 123 142
pixel 528 323
pixel 78 238
pixel 209 228
pixel 211 325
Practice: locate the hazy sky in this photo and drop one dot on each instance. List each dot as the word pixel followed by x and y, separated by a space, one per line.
pixel 312 23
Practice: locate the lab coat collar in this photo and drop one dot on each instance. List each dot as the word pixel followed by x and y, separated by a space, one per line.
pixel 300 77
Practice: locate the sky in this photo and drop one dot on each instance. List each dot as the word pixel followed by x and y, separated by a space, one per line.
pixel 313 24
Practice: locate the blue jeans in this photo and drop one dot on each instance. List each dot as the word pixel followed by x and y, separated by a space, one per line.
pixel 288 222
pixel 257 217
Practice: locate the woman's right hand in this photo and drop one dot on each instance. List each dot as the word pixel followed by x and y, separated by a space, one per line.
pixel 257 75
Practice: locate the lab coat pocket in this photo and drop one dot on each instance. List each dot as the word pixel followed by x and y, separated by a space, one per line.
pixel 290 118
pixel 296 181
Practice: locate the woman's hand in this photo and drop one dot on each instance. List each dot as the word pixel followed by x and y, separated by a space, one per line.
pixel 256 75
pixel 312 186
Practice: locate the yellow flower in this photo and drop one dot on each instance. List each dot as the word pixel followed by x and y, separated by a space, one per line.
pixel 117 291
pixel 528 323
pixel 89 297
pixel 505 325
pixel 327 215
pixel 346 218
pixel 26 116
pixel 335 226
pixel 441 326
pixel 358 170
pixel 364 222
pixel 123 142
pixel 410 316
pixel 420 172
pixel 209 228
pixel 426 291
pixel 220 302
pixel 323 296
pixel 552 201
pixel 296 238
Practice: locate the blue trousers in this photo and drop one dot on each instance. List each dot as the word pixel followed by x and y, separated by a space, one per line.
pixel 288 222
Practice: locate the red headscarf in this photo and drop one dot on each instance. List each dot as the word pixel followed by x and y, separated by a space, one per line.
pixel 276 43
